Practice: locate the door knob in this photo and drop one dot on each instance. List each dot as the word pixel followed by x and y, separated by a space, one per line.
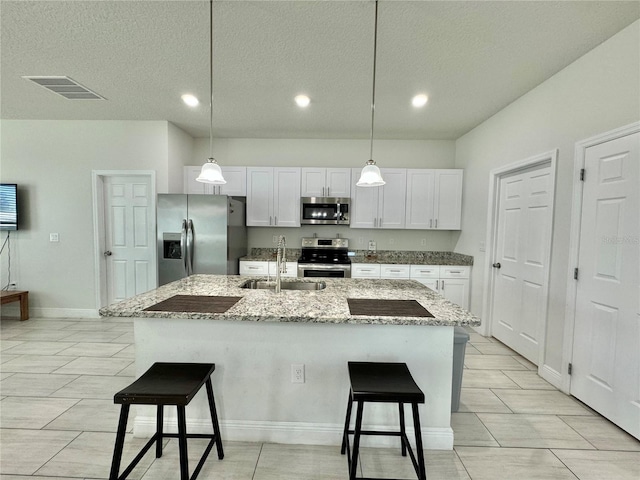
pixel 108 253
pixel 497 265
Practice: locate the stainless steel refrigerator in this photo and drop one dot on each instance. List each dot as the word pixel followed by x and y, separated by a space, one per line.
pixel 199 234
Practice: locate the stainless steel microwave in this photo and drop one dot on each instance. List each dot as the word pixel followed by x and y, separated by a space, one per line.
pixel 324 211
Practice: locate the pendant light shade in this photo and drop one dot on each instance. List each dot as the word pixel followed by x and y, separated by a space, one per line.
pixel 371 176
pixel 211 172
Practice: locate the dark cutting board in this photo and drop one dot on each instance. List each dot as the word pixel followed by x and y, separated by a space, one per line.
pixel 195 304
pixel 387 308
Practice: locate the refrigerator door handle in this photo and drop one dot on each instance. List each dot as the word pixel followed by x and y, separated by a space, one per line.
pixel 190 247
pixel 183 244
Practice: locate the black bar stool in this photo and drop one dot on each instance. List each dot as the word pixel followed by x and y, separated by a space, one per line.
pixel 167 384
pixel 386 383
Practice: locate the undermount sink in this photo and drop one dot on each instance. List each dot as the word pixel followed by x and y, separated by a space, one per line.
pixel 264 285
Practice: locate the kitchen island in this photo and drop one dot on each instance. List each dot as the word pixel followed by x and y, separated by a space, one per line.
pixel 255 342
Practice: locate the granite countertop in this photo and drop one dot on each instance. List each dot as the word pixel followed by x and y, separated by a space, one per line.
pixel 381 256
pixel 321 306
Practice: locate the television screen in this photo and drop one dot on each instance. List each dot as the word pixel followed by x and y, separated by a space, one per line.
pixel 8 206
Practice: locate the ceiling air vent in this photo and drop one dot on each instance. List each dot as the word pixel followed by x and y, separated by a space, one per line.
pixel 65 86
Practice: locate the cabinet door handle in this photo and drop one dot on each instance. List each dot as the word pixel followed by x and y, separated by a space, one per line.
pixel 276 222
pixel 328 191
pixel 431 223
pixel 443 285
pixel 436 223
pixel 270 218
pixel 323 191
pixel 375 222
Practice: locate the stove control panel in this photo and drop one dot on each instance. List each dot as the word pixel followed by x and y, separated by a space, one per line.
pixel 313 242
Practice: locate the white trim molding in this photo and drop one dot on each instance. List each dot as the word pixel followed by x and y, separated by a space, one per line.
pixel 292 432
pixel 574 241
pixel 550 158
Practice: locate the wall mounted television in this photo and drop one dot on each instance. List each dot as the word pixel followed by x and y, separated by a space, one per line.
pixel 8 206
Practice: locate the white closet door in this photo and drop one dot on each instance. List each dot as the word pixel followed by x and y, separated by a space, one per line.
pixel 606 351
pixel 522 248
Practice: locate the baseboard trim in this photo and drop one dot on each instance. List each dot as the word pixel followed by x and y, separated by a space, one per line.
pixel 293 432
pixel 40 312
pixel 552 376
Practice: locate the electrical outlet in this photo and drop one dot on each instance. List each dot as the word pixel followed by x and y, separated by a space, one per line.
pixel 423 242
pixel 360 240
pixel 54 237
pixel 13 286
pixel 297 373
pixel 275 239
pixel 372 245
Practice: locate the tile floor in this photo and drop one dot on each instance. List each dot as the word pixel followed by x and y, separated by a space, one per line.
pixel 58 420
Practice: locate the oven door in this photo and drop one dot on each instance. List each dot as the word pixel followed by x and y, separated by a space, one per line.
pixel 323 270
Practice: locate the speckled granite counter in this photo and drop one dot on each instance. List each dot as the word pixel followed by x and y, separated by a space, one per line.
pixel 381 256
pixel 412 258
pixel 322 306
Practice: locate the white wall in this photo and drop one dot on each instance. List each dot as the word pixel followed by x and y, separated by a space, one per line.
pixel 598 92
pixel 51 161
pixel 336 153
pixel 180 150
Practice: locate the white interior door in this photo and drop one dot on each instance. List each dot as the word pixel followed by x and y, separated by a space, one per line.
pixel 129 236
pixel 606 347
pixel 522 246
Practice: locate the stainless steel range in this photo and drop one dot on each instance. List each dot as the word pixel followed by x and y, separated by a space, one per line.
pixel 324 257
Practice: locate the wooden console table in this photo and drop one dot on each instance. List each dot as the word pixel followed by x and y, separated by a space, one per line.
pixel 17 295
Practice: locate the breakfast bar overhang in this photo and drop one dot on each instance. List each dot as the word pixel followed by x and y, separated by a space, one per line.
pixel 258 335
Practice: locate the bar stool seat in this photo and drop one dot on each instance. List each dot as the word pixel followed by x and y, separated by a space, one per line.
pixel 167 384
pixel 387 383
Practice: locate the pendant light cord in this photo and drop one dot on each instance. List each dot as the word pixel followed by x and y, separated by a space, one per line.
pixel 211 79
pixel 373 92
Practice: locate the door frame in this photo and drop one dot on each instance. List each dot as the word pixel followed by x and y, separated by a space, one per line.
pixel 574 241
pixel 99 228
pixel 495 176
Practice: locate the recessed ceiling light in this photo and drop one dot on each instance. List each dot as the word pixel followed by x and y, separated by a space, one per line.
pixel 419 100
pixel 190 100
pixel 302 101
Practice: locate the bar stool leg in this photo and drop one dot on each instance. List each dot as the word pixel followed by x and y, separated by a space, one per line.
pixel 403 432
pixel 182 443
pixel 117 451
pixel 159 431
pixel 356 442
pixel 345 435
pixel 422 474
pixel 214 419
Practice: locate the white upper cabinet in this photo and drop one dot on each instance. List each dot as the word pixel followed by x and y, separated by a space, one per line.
pixel 273 197
pixel 325 182
pixel 379 207
pixel 434 199
pixel 236 185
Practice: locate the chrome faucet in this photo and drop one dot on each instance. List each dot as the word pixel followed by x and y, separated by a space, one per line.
pixel 281 260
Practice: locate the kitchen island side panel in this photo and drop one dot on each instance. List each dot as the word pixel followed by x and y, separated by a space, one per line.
pixel 255 397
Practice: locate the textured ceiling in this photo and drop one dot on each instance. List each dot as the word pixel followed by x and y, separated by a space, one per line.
pixel 471 58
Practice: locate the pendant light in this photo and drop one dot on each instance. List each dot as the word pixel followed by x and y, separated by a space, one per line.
pixel 211 172
pixel 371 176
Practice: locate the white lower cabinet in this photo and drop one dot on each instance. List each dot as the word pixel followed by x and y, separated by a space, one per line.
pixel 450 281
pixel 264 268
pixel 391 271
pixel 365 270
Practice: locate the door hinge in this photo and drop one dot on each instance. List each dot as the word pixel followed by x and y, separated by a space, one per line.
pixel 582 175
pixel 575 273
pixel 569 368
